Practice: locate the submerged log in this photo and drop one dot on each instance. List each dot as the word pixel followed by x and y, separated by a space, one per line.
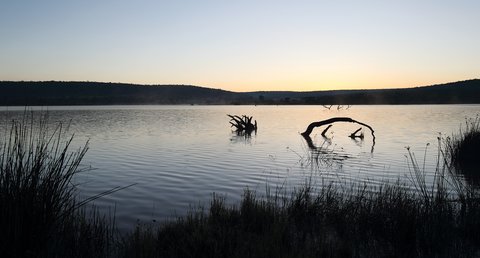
pixel 329 107
pixel 243 124
pixel 311 126
pixel 329 122
pixel 325 131
pixel 355 135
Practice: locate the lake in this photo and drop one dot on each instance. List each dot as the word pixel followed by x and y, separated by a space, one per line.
pixel 177 156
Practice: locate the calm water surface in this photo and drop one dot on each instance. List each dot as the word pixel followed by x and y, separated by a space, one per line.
pixel 179 155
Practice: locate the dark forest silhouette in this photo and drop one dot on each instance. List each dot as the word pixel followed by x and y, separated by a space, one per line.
pixel 22 93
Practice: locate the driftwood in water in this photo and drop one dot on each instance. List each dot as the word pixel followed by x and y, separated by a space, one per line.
pixel 355 135
pixel 325 131
pixel 311 126
pixel 329 122
pixel 338 107
pixel 352 135
pixel 243 124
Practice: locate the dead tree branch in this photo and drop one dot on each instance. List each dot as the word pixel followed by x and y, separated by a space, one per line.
pixel 243 124
pixel 325 131
pixel 354 134
pixel 330 121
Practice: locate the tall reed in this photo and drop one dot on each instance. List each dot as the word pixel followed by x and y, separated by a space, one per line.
pixel 38 211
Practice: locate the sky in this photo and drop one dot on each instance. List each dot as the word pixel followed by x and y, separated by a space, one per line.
pixel 242 45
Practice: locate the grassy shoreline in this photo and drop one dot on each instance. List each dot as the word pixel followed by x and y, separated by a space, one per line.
pixel 41 217
pixel 325 222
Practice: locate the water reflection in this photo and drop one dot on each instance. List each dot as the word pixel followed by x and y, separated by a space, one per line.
pixel 322 156
pixel 238 137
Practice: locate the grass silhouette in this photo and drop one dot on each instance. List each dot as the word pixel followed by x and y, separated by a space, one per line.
pixel 39 215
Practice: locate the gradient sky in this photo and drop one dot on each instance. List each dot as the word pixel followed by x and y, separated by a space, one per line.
pixel 242 45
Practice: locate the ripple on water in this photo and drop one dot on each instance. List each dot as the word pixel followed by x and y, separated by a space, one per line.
pixel 177 156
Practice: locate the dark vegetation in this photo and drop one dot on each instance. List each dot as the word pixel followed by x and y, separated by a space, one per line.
pixel 40 217
pixel 462 150
pixel 325 222
pixel 96 93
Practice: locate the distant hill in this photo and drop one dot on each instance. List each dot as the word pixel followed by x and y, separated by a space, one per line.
pixel 462 92
pixel 96 93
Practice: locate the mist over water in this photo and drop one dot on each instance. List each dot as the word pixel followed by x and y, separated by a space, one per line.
pixel 179 155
